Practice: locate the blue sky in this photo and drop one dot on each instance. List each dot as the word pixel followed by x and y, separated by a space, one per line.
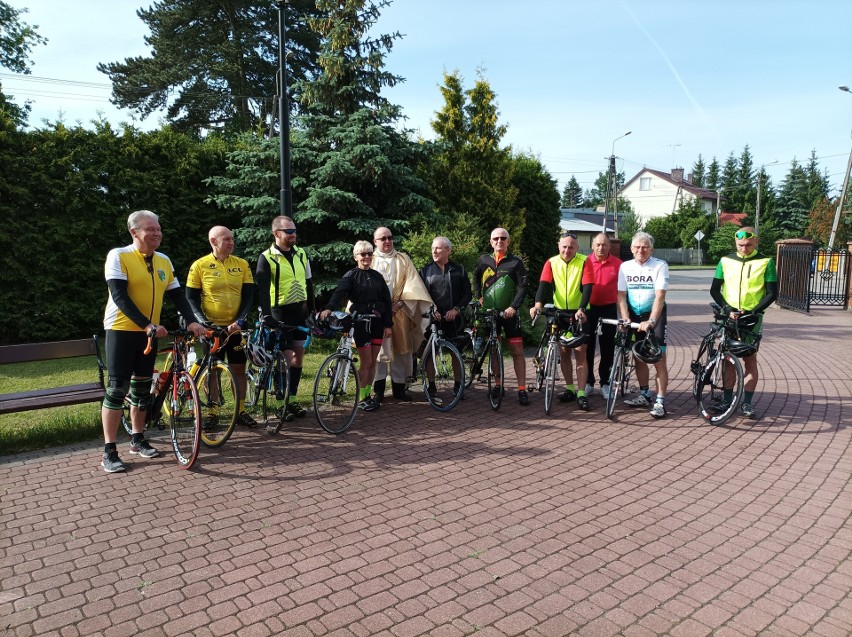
pixel 685 77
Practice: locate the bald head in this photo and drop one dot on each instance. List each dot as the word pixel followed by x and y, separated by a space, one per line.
pixel 222 241
pixel 383 240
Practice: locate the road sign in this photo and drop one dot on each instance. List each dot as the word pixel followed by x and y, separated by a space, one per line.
pixel 699 235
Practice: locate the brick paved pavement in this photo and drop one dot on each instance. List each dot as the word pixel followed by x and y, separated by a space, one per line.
pixel 419 523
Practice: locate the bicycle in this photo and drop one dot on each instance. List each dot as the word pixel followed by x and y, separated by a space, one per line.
pixel 492 352
pixel 218 391
pixel 441 360
pixel 268 375
pixel 182 408
pixel 469 342
pixel 337 386
pixel 546 357
pixel 717 368
pixel 622 362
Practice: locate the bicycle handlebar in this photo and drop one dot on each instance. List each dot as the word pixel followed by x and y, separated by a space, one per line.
pixel 152 334
pixel 620 323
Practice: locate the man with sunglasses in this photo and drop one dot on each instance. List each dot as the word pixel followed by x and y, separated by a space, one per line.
pixel 561 283
pixel 409 301
pixel 745 284
pixel 500 283
pixel 286 293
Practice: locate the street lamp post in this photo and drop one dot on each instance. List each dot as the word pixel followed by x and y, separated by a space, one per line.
pixel 286 195
pixel 839 210
pixel 612 187
pixel 759 183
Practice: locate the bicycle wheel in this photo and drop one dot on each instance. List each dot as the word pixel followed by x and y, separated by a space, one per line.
pixel 276 393
pixel 539 359
pixel 253 376
pixel 468 355
pixel 336 390
pixel 551 372
pixel 495 374
pixel 715 374
pixel 219 398
pixel 616 380
pixel 185 419
pixel 447 362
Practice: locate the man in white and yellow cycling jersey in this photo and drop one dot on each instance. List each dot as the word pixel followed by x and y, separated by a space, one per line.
pixel 746 284
pixel 137 277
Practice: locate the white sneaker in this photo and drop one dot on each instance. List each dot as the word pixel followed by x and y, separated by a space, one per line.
pixel 590 389
pixel 658 410
pixel 638 401
pixel 605 391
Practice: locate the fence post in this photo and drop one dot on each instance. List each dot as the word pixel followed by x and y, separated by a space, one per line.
pixel 849 277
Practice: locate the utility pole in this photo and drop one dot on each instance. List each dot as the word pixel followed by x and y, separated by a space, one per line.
pixel 839 211
pixel 286 196
pixel 612 187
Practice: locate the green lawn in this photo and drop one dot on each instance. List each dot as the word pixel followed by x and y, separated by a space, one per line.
pixel 29 430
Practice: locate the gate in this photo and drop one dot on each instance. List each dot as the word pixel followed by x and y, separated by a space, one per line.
pixel 812 277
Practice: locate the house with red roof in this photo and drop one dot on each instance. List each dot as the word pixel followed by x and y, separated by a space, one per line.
pixel 654 193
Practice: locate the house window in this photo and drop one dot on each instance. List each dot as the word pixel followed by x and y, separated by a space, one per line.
pixel 644 183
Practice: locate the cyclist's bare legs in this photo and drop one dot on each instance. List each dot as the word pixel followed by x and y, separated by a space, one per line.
pixel 579 354
pixel 750 372
pixel 368 355
pixel 111 419
pixel 295 354
pixel 662 374
pixel 242 383
pixel 516 349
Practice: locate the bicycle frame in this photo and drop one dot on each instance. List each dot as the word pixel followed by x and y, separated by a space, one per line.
pixel 433 363
pixel 717 370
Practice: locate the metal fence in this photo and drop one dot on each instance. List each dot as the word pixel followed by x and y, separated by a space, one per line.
pixel 680 256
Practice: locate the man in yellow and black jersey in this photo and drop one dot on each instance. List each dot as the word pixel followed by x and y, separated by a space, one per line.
pixel 500 282
pixel 286 293
pixel 220 290
pixel 137 277
pixel 745 284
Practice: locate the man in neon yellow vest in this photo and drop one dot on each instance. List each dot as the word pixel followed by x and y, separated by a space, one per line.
pixel 746 283
pixel 286 293
pixel 561 282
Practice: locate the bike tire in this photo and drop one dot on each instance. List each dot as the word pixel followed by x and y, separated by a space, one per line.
pixel 447 361
pixel 219 396
pixel 336 392
pixel 185 419
pixel 616 380
pixel 551 372
pixel 495 374
pixel 711 384
pixel 276 394
pixel 469 358
pixel 253 376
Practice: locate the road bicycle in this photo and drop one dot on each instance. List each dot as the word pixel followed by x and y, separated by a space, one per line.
pixel 173 396
pixel 622 363
pixel 546 357
pixel 470 342
pixel 218 391
pixel 439 365
pixel 268 371
pixel 337 387
pixel 717 367
pixel 491 353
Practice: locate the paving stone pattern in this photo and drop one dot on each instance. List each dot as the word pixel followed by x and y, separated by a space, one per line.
pixel 472 522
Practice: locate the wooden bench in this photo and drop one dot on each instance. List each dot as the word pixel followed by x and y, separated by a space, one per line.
pixel 54 396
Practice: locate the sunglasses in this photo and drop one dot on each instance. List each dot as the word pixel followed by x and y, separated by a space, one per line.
pixel 569 234
pixel 365 254
pixel 286 230
pixel 385 239
pixel 745 234
pixel 499 238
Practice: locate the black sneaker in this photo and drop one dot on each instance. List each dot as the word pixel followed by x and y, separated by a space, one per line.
pixel 523 398
pixel 209 423
pixel 144 449
pixel 567 396
pixel 246 420
pixel 112 463
pixel 368 404
pixel 296 409
pixel 583 403
pixel 496 392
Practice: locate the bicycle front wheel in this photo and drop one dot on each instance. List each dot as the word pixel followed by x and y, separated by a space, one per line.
pixel 496 387
pixel 551 371
pixel 336 390
pixel 219 397
pixel 185 419
pixel 616 380
pixel 469 357
pixel 724 369
pixel 449 375
pixel 276 394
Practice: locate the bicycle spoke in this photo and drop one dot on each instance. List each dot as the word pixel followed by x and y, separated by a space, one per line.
pixel 447 369
pixel 336 389
pixel 185 420
pixel 219 397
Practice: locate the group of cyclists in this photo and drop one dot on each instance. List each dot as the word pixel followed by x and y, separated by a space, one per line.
pixel 396 299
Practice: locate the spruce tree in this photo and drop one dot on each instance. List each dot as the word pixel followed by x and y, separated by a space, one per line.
pixel 698 170
pixel 572 194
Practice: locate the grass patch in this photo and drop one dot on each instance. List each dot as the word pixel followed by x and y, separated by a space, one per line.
pixel 57 426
